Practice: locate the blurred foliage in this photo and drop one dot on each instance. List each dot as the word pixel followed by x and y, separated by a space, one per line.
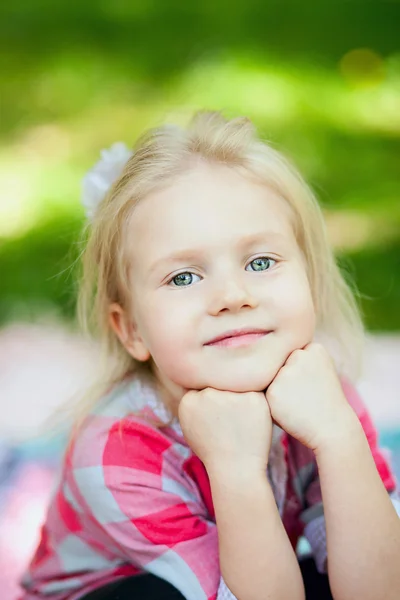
pixel 320 80
pixel 40 271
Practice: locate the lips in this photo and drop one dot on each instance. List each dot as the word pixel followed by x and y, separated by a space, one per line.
pixel 234 333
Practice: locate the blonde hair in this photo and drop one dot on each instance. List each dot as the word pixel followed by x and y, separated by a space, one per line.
pixel 160 156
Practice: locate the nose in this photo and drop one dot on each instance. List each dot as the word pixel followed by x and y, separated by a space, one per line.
pixel 231 295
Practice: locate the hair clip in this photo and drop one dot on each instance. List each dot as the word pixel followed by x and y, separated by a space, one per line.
pixel 97 182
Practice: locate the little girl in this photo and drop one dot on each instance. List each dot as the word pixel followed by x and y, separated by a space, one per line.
pixel 230 426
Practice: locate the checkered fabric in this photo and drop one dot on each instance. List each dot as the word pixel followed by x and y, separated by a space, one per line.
pixel 133 498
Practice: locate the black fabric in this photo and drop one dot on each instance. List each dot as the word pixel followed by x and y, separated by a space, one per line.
pixel 150 587
pixel 316 584
pixel 140 587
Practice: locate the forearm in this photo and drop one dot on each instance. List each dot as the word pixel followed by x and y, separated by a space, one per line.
pixel 363 529
pixel 256 558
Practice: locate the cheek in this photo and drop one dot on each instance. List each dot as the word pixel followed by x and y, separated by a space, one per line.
pixel 295 304
pixel 171 333
pixel 167 328
pixel 170 348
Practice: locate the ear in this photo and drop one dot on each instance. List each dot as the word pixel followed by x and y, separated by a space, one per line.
pixel 127 333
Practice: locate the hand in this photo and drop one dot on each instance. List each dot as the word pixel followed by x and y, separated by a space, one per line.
pixel 227 427
pixel 306 398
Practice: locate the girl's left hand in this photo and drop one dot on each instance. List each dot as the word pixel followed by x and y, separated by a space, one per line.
pixel 306 398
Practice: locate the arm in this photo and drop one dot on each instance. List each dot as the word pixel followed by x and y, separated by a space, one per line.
pixel 146 508
pixel 313 515
pixel 257 560
pixel 363 529
pixel 148 512
pixel 231 433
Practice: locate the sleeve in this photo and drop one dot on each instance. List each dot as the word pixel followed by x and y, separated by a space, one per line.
pixel 152 513
pixel 313 515
pixel 381 456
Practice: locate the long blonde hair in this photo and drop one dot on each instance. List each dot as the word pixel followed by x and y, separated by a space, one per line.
pixel 161 155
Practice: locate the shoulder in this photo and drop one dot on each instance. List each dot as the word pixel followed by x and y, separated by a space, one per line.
pixel 122 432
pixel 115 465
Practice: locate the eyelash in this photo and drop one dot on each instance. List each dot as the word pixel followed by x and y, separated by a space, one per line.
pixel 269 258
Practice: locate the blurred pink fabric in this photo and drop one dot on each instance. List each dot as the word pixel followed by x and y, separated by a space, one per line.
pixel 23 511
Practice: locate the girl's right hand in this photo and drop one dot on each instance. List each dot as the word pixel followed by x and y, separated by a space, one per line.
pixel 227 427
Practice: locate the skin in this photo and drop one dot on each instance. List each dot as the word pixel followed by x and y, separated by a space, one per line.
pixel 217 214
pixel 224 222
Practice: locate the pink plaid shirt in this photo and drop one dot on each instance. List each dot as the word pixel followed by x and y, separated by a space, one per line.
pixel 133 498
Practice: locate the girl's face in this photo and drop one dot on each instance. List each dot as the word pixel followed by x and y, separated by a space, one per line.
pixel 215 255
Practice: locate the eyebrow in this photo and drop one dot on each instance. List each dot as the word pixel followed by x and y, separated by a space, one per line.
pixel 193 255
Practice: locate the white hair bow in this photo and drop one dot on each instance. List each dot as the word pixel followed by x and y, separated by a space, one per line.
pixel 100 178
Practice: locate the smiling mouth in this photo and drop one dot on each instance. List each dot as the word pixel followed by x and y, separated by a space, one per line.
pixel 239 340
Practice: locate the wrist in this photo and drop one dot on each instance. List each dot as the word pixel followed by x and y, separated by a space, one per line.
pixel 236 473
pixel 341 439
pixel 240 487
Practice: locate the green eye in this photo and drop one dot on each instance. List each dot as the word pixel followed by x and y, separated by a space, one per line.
pixel 184 279
pixel 263 263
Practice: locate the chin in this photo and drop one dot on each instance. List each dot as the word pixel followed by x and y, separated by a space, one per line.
pixel 243 384
pixel 251 376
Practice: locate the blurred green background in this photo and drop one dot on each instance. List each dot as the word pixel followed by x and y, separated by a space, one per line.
pixel 320 80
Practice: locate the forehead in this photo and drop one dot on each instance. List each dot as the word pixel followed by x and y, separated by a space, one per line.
pixel 209 206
